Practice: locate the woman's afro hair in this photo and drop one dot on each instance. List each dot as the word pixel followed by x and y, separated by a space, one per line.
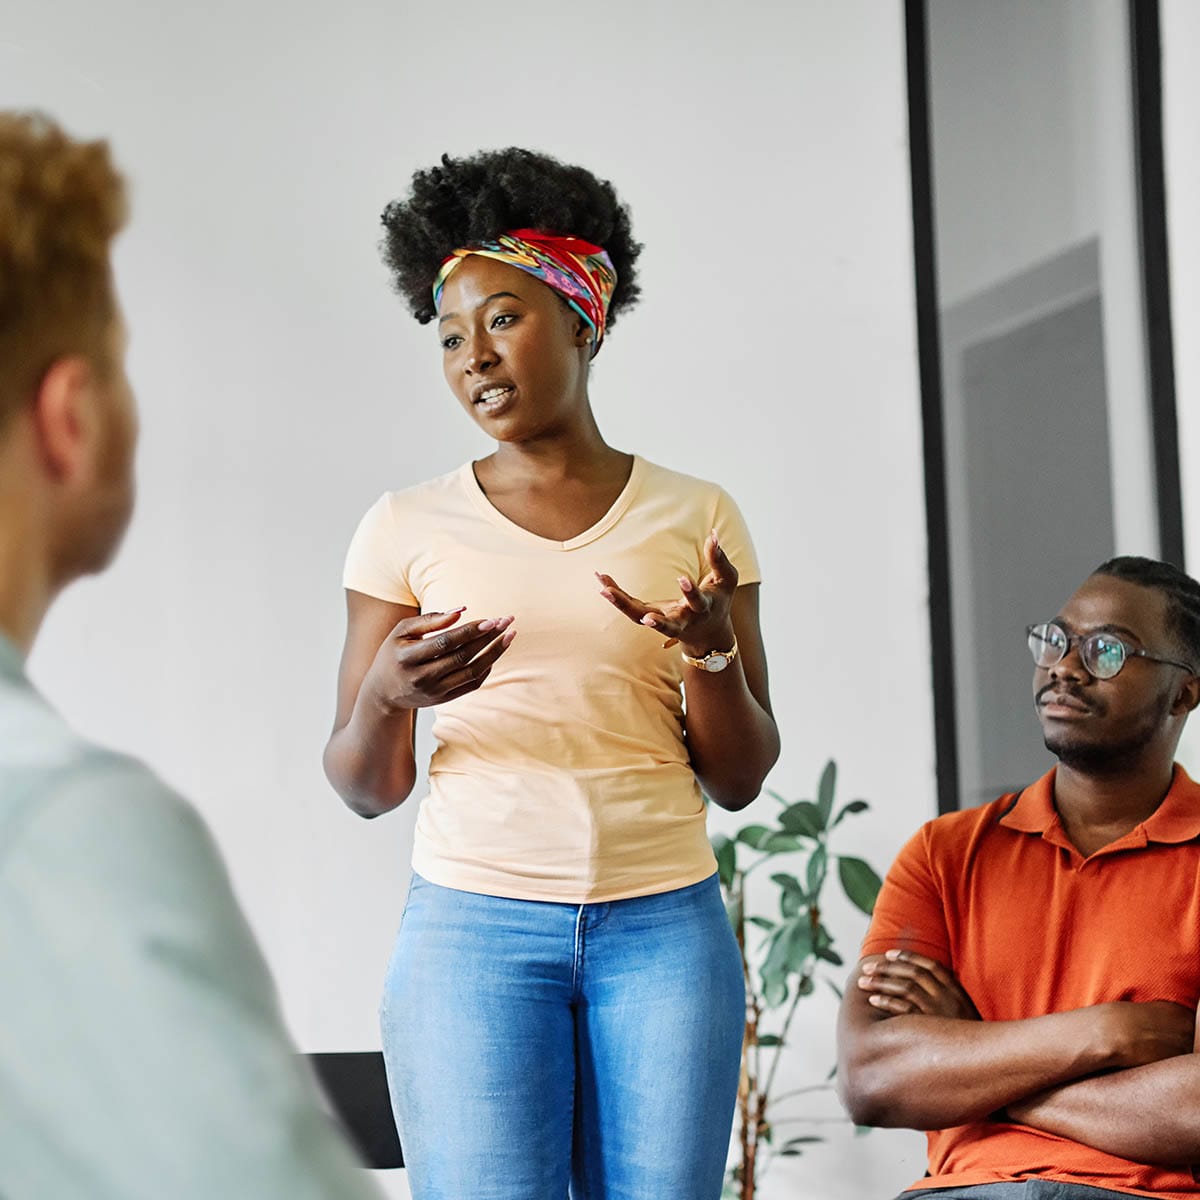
pixel 466 201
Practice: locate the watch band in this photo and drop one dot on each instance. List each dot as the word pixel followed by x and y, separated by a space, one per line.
pixel 714 660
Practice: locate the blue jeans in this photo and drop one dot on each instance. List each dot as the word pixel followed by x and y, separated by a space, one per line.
pixel 536 1050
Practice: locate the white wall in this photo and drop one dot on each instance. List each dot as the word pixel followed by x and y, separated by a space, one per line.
pixel 1033 154
pixel 763 151
pixel 1181 97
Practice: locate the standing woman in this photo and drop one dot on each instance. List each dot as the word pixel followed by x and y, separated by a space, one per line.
pixel 565 1003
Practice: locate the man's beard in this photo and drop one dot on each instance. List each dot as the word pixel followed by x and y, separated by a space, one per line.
pixel 1108 757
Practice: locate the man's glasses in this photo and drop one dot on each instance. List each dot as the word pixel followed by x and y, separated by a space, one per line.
pixel 1101 653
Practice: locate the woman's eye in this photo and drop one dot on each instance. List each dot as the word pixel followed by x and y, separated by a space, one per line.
pixel 451 342
pixel 502 319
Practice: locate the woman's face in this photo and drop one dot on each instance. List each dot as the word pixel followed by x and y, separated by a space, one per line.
pixel 514 353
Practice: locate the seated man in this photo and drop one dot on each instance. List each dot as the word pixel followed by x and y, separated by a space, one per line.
pixel 142 1052
pixel 1030 980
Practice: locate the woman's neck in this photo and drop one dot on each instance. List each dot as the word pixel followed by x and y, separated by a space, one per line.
pixel 580 453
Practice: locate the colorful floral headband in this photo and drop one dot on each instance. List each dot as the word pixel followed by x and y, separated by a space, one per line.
pixel 581 273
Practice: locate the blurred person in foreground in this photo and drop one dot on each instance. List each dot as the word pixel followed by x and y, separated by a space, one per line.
pixel 1029 983
pixel 142 1051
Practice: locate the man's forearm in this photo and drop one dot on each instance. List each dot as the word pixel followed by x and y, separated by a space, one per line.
pixel 923 1072
pixel 1149 1114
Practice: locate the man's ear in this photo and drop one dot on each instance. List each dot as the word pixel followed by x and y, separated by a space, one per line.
pixel 1188 695
pixel 65 417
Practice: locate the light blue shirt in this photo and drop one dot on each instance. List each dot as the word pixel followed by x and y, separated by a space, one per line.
pixel 142 1052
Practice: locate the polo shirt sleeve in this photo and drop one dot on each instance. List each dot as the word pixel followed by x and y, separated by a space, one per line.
pixel 142 1051
pixel 735 538
pixel 909 913
pixel 375 562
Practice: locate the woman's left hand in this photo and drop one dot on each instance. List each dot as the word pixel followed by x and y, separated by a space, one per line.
pixel 701 619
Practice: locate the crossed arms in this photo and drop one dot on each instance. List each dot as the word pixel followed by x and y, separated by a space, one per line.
pixel 1122 1077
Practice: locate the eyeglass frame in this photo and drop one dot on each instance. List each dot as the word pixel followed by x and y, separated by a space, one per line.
pixel 1079 639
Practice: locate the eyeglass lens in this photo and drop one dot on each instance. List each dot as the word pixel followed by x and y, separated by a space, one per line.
pixel 1102 654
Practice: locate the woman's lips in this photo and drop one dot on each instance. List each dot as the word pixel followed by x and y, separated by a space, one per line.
pixel 494 400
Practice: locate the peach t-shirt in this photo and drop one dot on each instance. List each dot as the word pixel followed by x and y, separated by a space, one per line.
pixel 565 777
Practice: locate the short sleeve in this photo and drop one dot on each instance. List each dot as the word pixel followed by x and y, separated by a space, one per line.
pixel 909 914
pixel 735 538
pixel 375 563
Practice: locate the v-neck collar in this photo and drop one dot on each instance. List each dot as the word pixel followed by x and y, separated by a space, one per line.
pixel 618 509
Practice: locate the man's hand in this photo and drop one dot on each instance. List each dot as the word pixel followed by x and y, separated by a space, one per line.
pixel 1147 1033
pixel 901 982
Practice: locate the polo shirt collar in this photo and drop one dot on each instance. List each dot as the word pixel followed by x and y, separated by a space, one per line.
pixel 1177 818
pixel 12 661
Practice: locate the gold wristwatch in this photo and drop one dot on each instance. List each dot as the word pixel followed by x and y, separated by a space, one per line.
pixel 714 660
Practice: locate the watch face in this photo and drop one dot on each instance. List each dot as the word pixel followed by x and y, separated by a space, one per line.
pixel 716 662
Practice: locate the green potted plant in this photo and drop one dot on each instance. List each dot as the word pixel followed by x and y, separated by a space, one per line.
pixel 782 959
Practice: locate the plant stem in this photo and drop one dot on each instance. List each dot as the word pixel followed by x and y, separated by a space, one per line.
pixel 787 1022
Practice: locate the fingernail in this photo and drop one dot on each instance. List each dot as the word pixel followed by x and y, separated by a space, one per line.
pixel 649 620
pixel 507 639
pixel 607 593
pixel 488 625
pixel 868 968
pixel 453 612
pixel 685 584
pixel 875 998
pixel 893 954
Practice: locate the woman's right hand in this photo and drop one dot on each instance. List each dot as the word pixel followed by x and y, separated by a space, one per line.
pixel 426 660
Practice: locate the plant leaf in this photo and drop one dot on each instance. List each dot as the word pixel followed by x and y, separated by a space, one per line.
pixel 779 843
pixel 754 836
pixel 786 881
pixel 803 818
pixel 789 946
pixel 770 1039
pixel 825 791
pixel 809 1140
pixel 726 851
pixel 762 923
pixel 816 872
pixel 792 903
pixel 776 796
pixel 775 991
pixel 855 806
pixel 859 882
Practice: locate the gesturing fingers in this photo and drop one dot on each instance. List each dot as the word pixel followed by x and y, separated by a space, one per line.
pixel 693 597
pixel 454 647
pixel 428 659
pixel 468 677
pixel 620 599
pixel 722 573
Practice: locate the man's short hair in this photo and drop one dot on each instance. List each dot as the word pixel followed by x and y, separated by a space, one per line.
pixel 1182 594
pixel 61 204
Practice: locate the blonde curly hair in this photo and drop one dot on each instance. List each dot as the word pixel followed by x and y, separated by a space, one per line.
pixel 61 204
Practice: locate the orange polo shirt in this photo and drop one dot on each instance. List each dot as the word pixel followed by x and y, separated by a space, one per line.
pixel 1029 926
